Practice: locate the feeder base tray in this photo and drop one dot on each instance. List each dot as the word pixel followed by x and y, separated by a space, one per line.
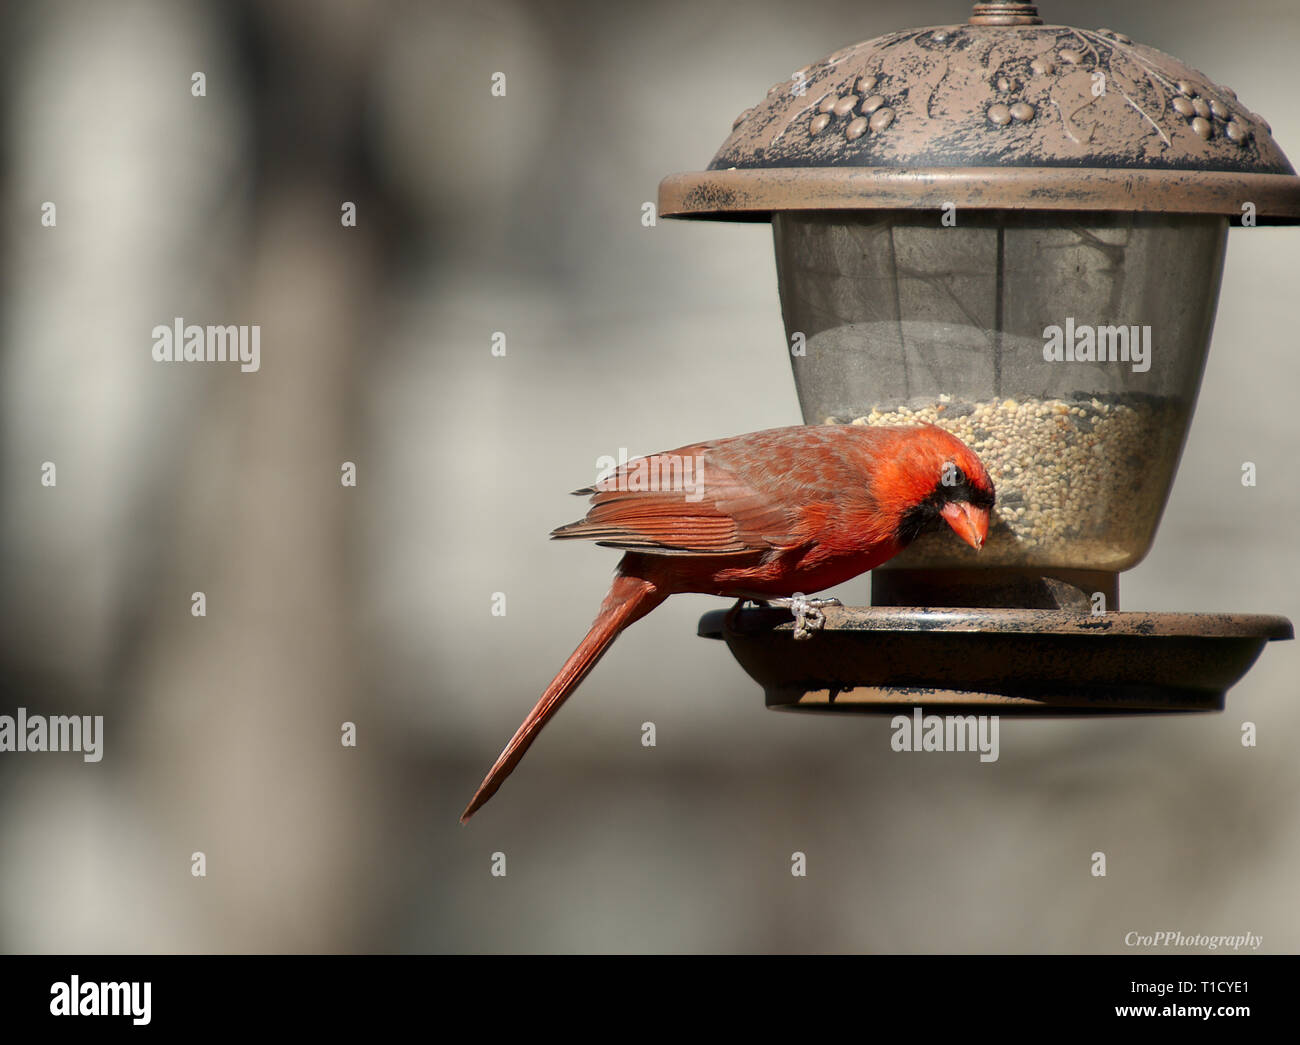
pixel 891 659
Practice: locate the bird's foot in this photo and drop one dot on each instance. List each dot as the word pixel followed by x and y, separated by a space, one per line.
pixel 808 615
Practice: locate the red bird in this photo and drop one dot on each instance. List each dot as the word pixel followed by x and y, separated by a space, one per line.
pixel 761 516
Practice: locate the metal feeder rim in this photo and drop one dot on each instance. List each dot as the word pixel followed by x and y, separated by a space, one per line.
pixel 1009 620
pixel 755 194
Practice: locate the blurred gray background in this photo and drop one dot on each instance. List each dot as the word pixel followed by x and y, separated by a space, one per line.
pixel 372 605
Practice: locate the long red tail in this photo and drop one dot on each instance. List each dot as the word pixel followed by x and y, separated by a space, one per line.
pixel 629 599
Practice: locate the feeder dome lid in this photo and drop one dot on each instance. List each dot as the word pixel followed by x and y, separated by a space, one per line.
pixel 1003 112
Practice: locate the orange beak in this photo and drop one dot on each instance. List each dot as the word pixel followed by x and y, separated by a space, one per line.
pixel 969 523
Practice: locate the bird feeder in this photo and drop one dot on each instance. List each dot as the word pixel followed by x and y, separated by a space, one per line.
pixel 1016 231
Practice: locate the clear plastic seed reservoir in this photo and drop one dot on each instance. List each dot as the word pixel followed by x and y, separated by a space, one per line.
pixel 1066 349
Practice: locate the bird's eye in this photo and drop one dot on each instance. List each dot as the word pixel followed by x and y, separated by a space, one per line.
pixel 952 477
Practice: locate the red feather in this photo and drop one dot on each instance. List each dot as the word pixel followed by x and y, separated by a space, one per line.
pixel 767 514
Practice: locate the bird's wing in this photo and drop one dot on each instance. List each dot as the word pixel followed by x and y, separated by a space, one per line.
pixel 662 505
pixel 735 496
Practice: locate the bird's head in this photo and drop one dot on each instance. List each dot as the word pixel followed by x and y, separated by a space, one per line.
pixel 937 476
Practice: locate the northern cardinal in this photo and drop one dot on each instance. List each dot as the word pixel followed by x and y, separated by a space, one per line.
pixel 760 516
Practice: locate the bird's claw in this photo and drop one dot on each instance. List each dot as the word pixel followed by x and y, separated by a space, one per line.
pixel 808 615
